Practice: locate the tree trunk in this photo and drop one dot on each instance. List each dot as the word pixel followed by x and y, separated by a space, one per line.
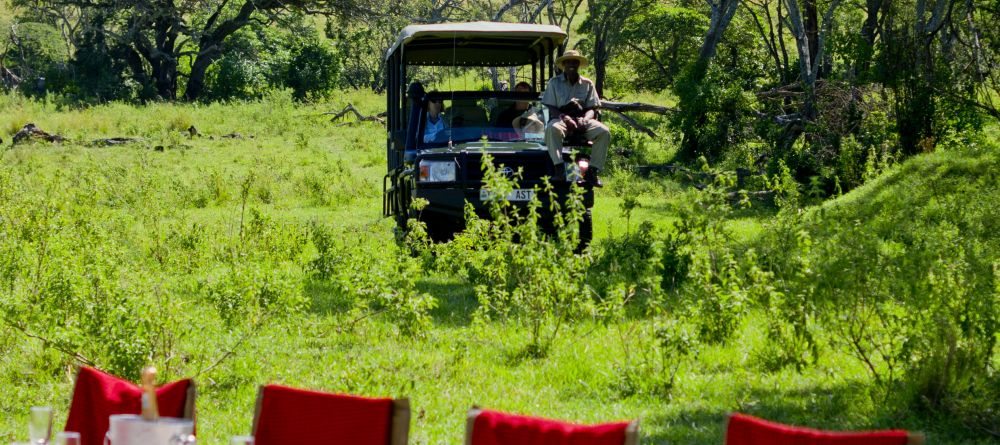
pixel 868 32
pixel 600 62
pixel 692 102
pixel 210 44
pixel 811 22
pixel 196 81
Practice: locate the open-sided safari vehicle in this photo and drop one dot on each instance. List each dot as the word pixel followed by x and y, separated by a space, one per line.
pixel 444 167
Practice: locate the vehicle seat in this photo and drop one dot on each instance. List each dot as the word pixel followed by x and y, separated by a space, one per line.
pixel 468 115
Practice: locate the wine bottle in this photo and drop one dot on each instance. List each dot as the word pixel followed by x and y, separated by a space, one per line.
pixel 150 411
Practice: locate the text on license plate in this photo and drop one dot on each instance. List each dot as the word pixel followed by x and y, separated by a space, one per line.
pixel 514 195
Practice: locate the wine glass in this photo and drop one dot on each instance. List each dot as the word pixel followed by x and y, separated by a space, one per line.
pixel 241 440
pixel 40 425
pixel 67 438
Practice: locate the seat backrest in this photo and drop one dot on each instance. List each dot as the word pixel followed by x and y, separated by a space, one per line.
pixel 464 113
pixel 484 427
pixel 97 396
pixel 286 415
pixel 749 430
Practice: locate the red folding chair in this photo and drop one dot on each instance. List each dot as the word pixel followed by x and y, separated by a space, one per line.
pixel 286 415
pixel 97 395
pixel 484 427
pixel 749 430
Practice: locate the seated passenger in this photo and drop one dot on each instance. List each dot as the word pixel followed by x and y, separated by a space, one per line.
pixel 572 100
pixel 521 116
pixel 434 126
pixel 515 110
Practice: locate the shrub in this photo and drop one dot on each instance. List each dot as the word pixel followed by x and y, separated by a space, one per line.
pixel 251 292
pixel 253 61
pixel 519 271
pixel 313 71
pixel 373 280
pixel 911 294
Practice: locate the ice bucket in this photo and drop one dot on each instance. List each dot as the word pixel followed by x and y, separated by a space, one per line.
pixel 131 429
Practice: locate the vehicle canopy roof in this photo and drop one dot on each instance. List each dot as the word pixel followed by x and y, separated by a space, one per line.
pixel 476 43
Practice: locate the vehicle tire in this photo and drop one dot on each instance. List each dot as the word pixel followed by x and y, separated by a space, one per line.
pixel 440 228
pixel 586 230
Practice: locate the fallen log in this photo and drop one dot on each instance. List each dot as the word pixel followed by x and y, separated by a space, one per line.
pixel 620 108
pixel 634 124
pixel 236 135
pixel 107 142
pixel 360 117
pixel 31 132
pixel 636 106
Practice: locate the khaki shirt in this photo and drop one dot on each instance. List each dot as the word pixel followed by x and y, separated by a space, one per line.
pixel 559 92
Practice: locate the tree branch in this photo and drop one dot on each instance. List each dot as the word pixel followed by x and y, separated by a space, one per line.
pixel 619 107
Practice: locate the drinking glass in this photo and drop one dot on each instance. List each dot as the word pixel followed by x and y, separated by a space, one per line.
pixel 241 440
pixel 67 438
pixel 40 425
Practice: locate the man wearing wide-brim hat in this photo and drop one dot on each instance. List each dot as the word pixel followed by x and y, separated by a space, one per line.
pixel 572 101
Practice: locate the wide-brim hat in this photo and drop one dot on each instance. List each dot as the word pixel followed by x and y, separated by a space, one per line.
pixel 572 55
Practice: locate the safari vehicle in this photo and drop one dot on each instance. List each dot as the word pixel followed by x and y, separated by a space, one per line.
pixel 445 168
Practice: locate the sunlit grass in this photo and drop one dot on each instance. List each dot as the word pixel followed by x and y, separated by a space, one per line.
pixel 307 169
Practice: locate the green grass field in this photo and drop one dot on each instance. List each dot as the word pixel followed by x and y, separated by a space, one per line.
pixel 167 230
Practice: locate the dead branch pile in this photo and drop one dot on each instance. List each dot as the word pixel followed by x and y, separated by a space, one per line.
pixel 107 142
pixel 31 132
pixel 380 118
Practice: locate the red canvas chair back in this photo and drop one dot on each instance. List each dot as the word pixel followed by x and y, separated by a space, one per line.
pixel 97 396
pixel 294 416
pixel 484 427
pixel 749 430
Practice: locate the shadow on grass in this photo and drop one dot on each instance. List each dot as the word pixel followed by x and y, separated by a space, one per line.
pixel 690 427
pixel 456 300
pixel 816 407
pixel 324 300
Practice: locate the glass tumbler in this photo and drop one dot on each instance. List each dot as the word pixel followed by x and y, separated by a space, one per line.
pixel 40 425
pixel 67 438
pixel 241 440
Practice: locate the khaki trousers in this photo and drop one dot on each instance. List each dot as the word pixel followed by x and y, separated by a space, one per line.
pixel 596 132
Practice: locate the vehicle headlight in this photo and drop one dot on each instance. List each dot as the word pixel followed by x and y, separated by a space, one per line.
pixel 437 171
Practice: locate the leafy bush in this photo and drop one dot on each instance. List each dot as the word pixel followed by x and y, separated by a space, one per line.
pixel 248 292
pixel 910 294
pixel 629 260
pixel 715 112
pixel 380 281
pixel 34 50
pixel 313 71
pixel 254 60
pixel 519 271
pixel 713 284
pixel 666 345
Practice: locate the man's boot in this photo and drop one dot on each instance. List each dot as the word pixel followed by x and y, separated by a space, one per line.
pixel 592 178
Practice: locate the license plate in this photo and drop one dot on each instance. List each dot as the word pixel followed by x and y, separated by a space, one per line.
pixel 514 195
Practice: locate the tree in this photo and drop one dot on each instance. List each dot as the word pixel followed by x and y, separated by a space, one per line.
pixel 665 39
pixel 156 38
pixel 604 24
pixel 692 101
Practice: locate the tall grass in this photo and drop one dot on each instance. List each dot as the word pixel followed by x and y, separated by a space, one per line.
pixel 243 261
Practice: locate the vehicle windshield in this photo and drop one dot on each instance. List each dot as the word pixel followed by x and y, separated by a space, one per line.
pixel 475 119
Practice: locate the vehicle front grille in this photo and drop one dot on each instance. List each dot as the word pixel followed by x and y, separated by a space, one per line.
pixel 533 165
